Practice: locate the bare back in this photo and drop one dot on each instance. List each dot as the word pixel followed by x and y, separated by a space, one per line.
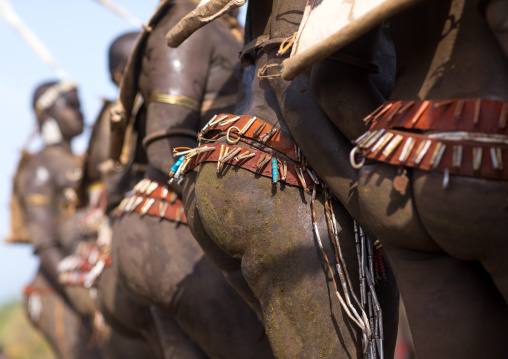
pixel 445 49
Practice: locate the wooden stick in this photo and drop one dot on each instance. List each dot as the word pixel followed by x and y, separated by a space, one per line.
pixel 198 18
pixel 294 66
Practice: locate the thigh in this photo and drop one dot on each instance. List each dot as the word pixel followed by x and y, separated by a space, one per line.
pixel 152 257
pixel 115 346
pixel 215 316
pixel 68 333
pixel 392 216
pixel 270 228
pixel 220 258
pixel 454 309
pixel 175 343
pixel 229 265
pixel 120 311
pixel 468 219
pixel 163 263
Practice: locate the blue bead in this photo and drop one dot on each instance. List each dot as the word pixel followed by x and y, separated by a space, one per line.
pixel 177 164
pixel 275 170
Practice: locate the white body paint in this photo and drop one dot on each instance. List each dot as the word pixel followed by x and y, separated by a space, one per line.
pixel 41 175
pixel 51 133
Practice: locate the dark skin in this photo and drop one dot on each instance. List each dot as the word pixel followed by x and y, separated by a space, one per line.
pixel 496 13
pixel 442 227
pixel 169 71
pixel 444 245
pixel 158 262
pixel 67 333
pixel 131 330
pixel 53 173
pixel 45 185
pixel 284 270
pixel 132 320
pixel 243 223
pixel 129 325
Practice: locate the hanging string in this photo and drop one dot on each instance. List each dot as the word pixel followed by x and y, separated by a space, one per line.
pixel 121 12
pixel 13 19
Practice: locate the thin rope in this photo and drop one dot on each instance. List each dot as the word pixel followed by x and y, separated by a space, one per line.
pixel 121 12
pixel 14 20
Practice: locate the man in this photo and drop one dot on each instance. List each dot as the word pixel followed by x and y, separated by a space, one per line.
pixel 44 184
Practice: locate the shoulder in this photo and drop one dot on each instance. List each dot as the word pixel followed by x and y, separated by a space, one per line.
pixel 33 174
pixel 49 169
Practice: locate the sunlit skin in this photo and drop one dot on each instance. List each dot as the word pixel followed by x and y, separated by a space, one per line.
pixel 262 232
pixel 158 261
pixel 446 245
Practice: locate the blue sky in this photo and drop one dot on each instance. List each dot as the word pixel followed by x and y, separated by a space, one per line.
pixel 78 33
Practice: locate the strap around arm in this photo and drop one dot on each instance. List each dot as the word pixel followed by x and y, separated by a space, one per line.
pixel 184 101
pixel 157 135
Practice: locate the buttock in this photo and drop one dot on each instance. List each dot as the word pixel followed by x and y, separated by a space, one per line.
pixel 468 217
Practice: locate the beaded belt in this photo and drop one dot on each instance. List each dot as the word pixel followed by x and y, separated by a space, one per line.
pixel 84 266
pixel 30 290
pixel 272 154
pixel 466 137
pixel 154 198
pixel 253 128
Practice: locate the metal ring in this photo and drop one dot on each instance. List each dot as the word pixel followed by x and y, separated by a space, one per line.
pixel 352 159
pixel 264 70
pixel 227 136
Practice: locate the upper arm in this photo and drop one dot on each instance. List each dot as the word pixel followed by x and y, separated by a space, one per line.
pixel 177 72
pixel 181 72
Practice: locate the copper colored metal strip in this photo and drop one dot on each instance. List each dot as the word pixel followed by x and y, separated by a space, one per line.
pixel 392 114
pixel 171 211
pixel 503 116
pixel 383 111
pixel 431 154
pixel 477 109
pixel 258 130
pixel 160 202
pixel 458 108
pixel 422 108
pixel 470 115
pixel 406 107
pixel 250 164
pixel 369 117
pixel 443 103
